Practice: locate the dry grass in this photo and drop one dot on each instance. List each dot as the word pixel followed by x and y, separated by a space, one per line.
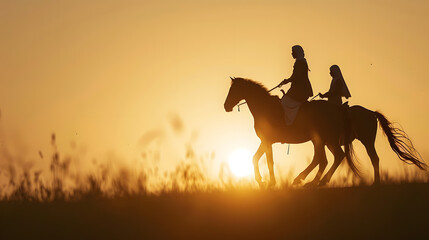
pixel 117 202
pixel 190 176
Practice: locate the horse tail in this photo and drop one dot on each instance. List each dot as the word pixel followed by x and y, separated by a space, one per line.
pixel 400 142
pixel 348 141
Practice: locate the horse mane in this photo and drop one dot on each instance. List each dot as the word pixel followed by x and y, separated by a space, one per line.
pixel 254 86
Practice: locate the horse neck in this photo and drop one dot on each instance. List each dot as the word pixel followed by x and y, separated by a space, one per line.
pixel 258 104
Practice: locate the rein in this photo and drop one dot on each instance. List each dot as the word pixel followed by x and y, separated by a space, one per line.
pixel 272 89
pixel 318 95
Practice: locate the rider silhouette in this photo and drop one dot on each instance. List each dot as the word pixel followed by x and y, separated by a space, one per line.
pixel 338 87
pixel 300 89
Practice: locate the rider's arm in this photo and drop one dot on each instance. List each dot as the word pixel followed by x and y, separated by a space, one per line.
pixel 295 74
pixel 334 90
pixel 285 81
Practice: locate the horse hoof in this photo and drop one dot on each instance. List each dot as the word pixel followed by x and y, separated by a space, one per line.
pixel 310 185
pixel 297 181
pixel 376 184
pixel 262 185
pixel 322 183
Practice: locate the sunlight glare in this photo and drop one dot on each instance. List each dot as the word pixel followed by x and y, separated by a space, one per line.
pixel 240 163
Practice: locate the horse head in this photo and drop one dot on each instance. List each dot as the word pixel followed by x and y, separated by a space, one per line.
pixel 235 94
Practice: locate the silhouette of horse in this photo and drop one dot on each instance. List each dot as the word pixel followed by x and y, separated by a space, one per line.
pixel 322 123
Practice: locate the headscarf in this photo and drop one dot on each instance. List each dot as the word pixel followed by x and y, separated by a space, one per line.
pixel 338 76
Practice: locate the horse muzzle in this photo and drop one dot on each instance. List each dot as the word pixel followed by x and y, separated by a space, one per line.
pixel 227 108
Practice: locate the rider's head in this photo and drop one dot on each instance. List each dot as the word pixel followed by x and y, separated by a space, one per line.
pixel 335 71
pixel 297 52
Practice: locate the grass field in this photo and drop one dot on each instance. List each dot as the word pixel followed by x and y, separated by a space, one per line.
pixel 389 211
pixel 129 203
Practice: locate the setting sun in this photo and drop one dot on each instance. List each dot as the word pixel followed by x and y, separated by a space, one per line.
pixel 240 162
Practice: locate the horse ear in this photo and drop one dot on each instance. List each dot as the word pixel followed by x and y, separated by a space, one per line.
pixel 232 80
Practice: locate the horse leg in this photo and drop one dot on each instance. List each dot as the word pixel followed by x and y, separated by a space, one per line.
pixel 270 163
pixel 320 154
pixel 338 158
pixel 370 149
pixel 308 170
pixel 256 158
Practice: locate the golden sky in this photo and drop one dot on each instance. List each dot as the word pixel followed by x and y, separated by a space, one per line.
pixel 103 73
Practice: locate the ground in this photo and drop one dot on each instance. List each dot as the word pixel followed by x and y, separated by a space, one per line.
pixel 389 211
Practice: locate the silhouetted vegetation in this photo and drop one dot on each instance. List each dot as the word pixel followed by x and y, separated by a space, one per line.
pixel 190 176
pixel 122 203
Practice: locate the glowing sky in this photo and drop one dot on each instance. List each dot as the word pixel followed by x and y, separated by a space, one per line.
pixel 103 73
